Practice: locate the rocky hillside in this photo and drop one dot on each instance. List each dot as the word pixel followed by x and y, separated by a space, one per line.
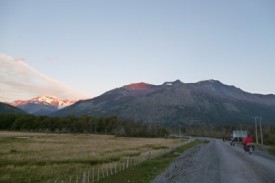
pixel 175 103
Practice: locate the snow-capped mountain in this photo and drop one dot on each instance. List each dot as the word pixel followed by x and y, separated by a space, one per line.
pixel 42 105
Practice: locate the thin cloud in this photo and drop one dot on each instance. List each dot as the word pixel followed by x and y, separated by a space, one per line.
pixel 52 59
pixel 18 80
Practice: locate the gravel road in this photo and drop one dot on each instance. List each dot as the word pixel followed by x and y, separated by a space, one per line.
pixel 218 162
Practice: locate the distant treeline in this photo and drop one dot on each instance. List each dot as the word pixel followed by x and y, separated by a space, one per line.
pixel 86 124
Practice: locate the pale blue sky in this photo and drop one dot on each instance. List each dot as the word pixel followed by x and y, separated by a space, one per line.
pixel 95 46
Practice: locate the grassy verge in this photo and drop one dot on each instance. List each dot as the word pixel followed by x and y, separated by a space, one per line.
pixel 272 150
pixel 148 170
pixel 40 157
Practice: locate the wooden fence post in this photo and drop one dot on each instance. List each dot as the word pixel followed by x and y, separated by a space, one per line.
pixel 84 177
pixel 130 159
pixel 127 165
pixel 98 175
pixel 111 169
pixel 131 162
pixel 93 175
pixel 102 169
pixel 107 170
pixel 149 155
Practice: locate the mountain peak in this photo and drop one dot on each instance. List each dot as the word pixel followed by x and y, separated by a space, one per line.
pixel 46 101
pixel 213 81
pixel 172 82
pixel 138 86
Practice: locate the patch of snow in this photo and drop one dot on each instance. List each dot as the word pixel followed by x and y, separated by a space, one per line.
pixel 45 100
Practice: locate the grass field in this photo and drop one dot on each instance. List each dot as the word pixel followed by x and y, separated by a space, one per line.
pixel 41 157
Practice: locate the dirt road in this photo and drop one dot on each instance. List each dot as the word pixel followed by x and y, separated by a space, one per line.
pixel 218 162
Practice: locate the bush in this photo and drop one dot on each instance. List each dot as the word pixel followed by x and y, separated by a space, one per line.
pixel 272 150
pixel 269 140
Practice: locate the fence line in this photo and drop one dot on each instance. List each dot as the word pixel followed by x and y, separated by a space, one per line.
pixel 99 172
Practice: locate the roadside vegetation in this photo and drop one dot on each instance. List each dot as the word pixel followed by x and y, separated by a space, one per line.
pixel 42 157
pixel 272 150
pixel 148 170
pixel 269 140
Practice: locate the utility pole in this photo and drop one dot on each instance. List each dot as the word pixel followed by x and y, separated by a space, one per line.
pixel 256 131
pixel 180 130
pixel 262 140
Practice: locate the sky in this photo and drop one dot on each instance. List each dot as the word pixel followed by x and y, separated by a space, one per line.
pixel 81 49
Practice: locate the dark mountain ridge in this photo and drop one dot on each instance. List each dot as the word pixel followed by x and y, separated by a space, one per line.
pixel 174 103
pixel 9 109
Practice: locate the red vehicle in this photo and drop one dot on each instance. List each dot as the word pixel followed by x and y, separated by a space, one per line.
pixel 248 144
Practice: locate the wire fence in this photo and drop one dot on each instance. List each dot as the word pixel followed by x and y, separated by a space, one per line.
pixel 99 172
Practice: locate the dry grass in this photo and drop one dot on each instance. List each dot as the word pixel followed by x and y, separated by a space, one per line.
pixel 39 156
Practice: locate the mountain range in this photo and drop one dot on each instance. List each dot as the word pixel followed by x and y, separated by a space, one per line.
pixel 43 105
pixel 177 103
